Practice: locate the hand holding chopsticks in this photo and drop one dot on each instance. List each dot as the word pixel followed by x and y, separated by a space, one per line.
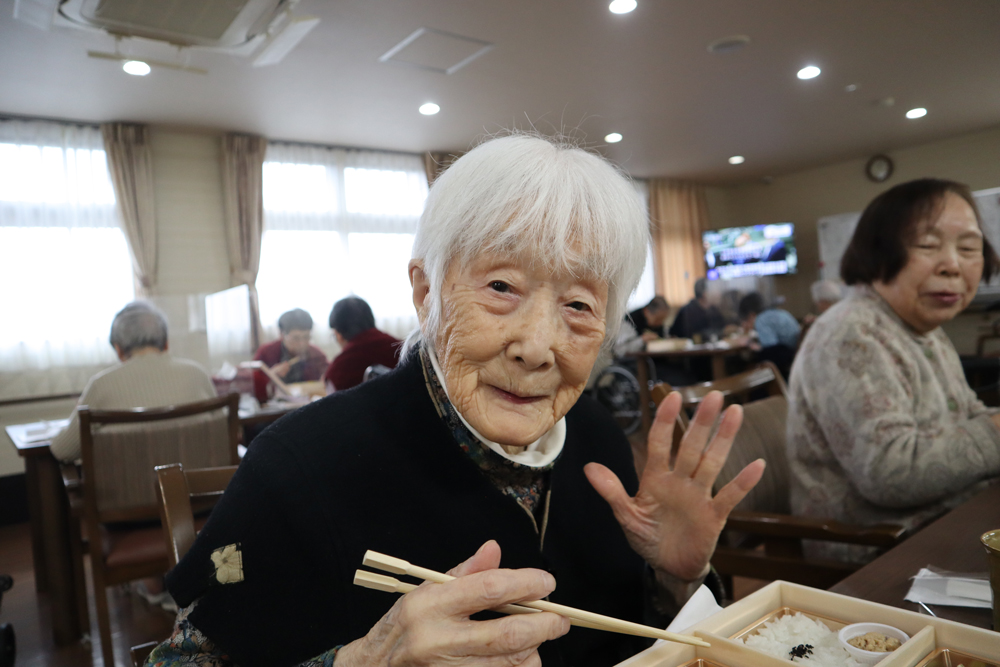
pixel 576 616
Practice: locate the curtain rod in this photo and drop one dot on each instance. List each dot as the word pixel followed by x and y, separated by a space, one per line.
pixel 64 121
pixel 310 144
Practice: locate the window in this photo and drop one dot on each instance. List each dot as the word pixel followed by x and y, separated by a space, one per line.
pixel 338 222
pixel 64 261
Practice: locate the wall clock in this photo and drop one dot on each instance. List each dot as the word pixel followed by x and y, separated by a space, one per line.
pixel 879 168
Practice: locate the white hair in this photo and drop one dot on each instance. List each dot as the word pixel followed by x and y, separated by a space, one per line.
pixel 530 197
pixel 826 290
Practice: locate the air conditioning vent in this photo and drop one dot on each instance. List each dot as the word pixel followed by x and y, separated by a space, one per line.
pixel 207 23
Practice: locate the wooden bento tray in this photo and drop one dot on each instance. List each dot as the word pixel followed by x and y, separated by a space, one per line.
pixel 928 635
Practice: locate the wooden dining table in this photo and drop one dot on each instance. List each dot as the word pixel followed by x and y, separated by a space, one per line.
pixel 717 352
pixel 48 510
pixel 951 543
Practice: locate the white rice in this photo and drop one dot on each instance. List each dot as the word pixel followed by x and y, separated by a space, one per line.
pixel 779 637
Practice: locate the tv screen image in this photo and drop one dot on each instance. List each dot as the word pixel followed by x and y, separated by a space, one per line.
pixel 760 250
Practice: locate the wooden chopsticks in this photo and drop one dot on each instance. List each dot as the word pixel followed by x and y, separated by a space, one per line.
pixel 577 617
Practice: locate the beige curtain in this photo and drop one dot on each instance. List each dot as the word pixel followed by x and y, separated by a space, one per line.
pixel 242 191
pixel 436 162
pixel 130 162
pixel 678 215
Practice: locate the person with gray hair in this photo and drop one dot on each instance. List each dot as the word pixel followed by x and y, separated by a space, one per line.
pixel 825 293
pixel 147 377
pixel 479 440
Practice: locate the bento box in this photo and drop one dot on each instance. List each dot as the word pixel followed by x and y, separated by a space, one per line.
pixel 933 642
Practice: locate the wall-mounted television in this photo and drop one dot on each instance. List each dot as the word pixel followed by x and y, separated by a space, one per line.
pixel 760 250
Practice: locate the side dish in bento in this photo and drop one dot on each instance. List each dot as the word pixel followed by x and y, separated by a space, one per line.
pixel 875 641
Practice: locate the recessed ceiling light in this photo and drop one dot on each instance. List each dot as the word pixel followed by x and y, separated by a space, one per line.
pixel 850 88
pixel 613 138
pixel 736 159
pixel 919 112
pixel 135 68
pixel 808 72
pixel 622 6
pixel 429 109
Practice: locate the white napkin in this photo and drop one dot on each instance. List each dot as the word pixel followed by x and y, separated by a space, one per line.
pixel 701 605
pixel 951 589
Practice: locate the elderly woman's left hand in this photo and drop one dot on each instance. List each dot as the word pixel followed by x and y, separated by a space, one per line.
pixel 673 521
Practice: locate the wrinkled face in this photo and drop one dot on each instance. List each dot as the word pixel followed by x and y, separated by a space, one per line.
pixel 943 271
pixel 296 341
pixel 517 344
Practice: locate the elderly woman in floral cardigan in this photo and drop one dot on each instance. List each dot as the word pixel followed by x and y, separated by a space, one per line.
pixel 882 425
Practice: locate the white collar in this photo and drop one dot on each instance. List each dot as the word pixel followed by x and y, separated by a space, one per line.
pixel 538 454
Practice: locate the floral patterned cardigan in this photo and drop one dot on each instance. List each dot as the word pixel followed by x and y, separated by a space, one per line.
pixel 882 425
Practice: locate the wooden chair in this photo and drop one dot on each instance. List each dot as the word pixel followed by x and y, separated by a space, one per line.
pixel 765 377
pixel 140 652
pixel 762 539
pixel 182 494
pixel 120 450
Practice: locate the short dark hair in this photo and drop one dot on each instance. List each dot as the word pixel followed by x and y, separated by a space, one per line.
pixel 751 304
pixel 657 304
pixel 295 320
pixel 700 286
pixel 877 251
pixel 351 316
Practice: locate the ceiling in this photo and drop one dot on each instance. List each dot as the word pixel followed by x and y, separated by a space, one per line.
pixel 566 66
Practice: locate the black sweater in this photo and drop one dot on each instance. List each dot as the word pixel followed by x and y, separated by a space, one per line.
pixel 375 468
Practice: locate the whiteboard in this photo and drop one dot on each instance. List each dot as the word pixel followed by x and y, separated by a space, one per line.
pixel 835 232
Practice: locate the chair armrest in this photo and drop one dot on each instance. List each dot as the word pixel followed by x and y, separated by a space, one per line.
pixel 788 526
pixel 71 476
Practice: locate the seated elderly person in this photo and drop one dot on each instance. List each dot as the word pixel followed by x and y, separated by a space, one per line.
pixel 148 377
pixel 824 293
pixel 648 321
pixel 479 441
pixel 291 357
pixel 698 318
pixel 882 425
pixel 363 345
pixel 776 332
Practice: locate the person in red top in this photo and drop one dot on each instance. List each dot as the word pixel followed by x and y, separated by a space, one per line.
pixel 363 345
pixel 291 357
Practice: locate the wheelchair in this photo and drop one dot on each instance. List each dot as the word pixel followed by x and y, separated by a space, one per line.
pixel 8 647
pixel 617 389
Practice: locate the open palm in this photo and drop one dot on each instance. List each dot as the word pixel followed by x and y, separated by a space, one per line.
pixel 673 521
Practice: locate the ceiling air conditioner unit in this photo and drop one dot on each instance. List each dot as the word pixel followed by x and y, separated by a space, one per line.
pixel 220 24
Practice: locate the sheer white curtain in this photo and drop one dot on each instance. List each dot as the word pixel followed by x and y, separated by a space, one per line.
pixel 338 222
pixel 64 263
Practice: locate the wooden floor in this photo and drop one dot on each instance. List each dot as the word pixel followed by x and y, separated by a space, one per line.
pixel 132 620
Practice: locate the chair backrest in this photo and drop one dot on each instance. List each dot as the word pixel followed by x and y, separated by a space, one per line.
pixel 121 448
pixel 182 493
pixel 762 436
pixel 765 376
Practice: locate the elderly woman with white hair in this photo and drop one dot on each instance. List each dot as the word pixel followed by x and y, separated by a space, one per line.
pixel 479 441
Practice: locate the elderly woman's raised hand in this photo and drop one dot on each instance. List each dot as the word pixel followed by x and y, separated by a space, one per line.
pixel 673 521
pixel 431 624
